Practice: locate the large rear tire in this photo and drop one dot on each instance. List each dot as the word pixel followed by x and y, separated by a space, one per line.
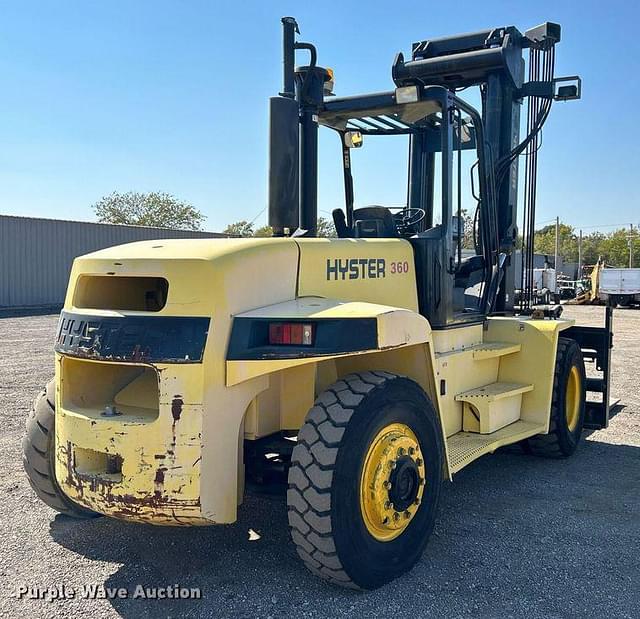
pixel 365 480
pixel 38 456
pixel 567 406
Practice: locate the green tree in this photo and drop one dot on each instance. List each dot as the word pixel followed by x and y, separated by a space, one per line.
pixel 264 231
pixel 467 239
pixel 160 210
pixel 326 228
pixel 614 248
pixel 245 228
pixel 545 242
pixel 592 247
pixel 239 228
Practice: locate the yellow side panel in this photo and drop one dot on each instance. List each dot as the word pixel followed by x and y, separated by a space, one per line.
pixel 456 366
pixel 296 395
pixel 534 364
pixel 461 373
pixel 396 327
pixel 416 362
pixel 370 270
pixel 284 405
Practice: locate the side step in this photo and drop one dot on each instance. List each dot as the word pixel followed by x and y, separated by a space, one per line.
pixel 485 350
pixel 489 408
pixel 465 447
pixel 489 350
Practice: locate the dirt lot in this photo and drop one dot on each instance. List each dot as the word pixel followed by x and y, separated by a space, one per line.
pixel 516 536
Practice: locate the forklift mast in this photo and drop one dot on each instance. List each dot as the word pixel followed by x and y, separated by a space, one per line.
pixel 493 61
pixel 489 59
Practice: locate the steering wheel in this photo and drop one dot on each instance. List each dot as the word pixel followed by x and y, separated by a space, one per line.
pixel 407 219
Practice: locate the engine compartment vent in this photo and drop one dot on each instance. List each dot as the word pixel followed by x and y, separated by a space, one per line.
pixel 114 292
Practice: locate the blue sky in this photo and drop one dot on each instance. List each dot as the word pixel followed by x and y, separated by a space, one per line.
pixel 172 96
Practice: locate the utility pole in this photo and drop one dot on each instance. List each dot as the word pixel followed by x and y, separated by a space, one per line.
pixel 631 246
pixel 555 260
pixel 579 274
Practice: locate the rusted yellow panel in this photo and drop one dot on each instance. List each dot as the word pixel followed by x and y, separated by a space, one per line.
pixel 160 468
pixel 197 426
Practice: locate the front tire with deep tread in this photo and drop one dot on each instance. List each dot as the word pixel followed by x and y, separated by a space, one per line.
pixel 562 440
pixel 38 456
pixel 323 497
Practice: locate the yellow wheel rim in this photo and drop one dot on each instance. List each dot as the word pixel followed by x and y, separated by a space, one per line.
pixel 573 397
pixel 392 482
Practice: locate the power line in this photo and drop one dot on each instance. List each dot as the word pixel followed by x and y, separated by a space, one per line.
pixel 618 225
pixel 258 215
pixel 621 225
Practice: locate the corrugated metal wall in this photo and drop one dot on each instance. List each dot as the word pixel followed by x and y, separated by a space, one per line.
pixel 36 254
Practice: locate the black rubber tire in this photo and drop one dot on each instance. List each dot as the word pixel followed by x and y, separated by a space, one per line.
pixel 38 456
pixel 561 442
pixel 323 501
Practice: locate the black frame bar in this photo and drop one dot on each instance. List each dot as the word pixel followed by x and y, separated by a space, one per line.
pixel 596 344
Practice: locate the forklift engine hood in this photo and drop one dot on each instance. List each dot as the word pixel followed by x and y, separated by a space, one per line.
pixel 151 386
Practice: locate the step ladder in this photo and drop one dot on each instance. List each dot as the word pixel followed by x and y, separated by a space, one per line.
pixel 492 407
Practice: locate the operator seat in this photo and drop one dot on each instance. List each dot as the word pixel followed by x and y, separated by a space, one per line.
pixel 468 284
pixel 368 222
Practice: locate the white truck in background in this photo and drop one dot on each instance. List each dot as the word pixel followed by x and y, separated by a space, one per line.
pixel 545 286
pixel 619 286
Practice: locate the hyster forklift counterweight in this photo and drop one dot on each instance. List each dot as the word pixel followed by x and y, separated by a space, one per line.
pixel 361 371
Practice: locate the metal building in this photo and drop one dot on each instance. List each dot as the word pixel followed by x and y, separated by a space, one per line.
pixel 36 254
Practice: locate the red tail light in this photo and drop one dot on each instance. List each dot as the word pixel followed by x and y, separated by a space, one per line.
pixel 290 333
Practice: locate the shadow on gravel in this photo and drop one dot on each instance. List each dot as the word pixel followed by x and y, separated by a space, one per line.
pixel 516 535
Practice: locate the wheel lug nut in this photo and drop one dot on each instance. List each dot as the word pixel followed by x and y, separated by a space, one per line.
pixel 407 514
pixel 388 505
pixel 392 465
pixel 419 461
pixel 417 501
pixel 400 451
pixel 386 484
pixel 396 516
pixel 411 451
pixel 421 482
pixel 385 520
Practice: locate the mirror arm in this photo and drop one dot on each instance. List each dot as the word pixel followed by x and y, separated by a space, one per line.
pixel 459 188
pixel 348 180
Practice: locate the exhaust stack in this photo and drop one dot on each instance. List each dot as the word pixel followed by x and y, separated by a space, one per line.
pixel 293 140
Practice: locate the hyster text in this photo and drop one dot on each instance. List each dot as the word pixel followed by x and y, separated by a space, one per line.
pixel 355 268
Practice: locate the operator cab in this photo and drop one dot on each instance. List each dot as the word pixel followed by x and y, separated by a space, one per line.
pixel 379 222
pixel 453 256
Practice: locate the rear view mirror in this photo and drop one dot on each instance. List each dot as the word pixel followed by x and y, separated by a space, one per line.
pixel 457 224
pixel 353 139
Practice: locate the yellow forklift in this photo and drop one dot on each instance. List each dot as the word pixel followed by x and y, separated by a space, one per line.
pixel 358 373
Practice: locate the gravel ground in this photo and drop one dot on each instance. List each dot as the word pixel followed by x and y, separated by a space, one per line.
pixel 516 535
